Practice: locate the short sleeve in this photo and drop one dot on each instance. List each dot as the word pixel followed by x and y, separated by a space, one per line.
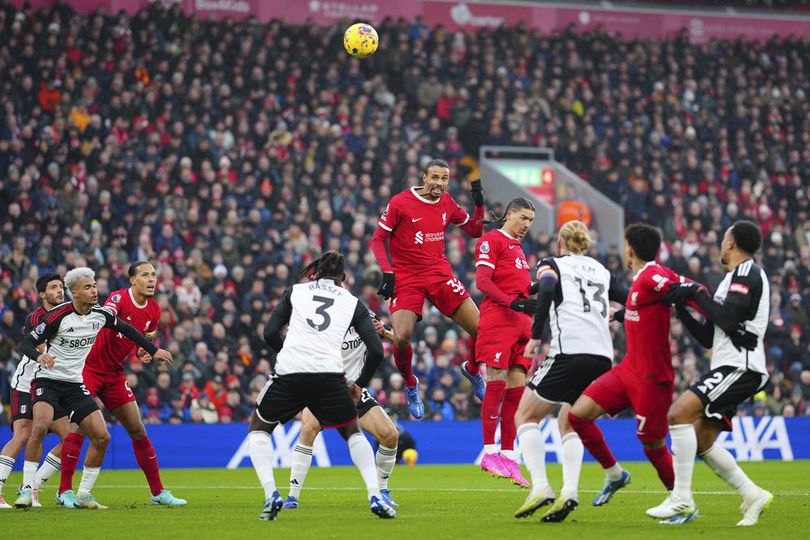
pixel 113 303
pixel 391 216
pixel 746 287
pixel 458 216
pixel 110 319
pixel 486 253
pixel 45 329
pixel 656 283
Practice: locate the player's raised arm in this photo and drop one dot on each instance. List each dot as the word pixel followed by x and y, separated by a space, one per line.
pixel 548 275
pixel 386 225
pixel 474 226
pixel 703 331
pixel 279 318
pixel 131 333
pixel 374 348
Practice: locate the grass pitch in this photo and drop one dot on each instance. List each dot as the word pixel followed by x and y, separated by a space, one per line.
pixel 435 502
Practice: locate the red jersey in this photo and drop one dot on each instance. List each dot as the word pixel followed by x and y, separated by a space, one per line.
pixel 111 348
pixel 646 325
pixel 417 226
pixel 510 270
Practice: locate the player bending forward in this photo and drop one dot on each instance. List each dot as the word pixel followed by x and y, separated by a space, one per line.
pixel 309 372
pixel 502 274
pixel 373 418
pixel 51 291
pixel 580 351
pixel 699 415
pixel 104 378
pixel 414 224
pixel 70 329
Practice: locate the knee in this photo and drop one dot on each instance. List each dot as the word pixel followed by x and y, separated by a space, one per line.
pixel 652 445
pixel 403 338
pixel 37 431
pixel 389 437
pixel 308 433
pixel 22 433
pixel 138 432
pixel 522 417
pixel 678 415
pixel 101 440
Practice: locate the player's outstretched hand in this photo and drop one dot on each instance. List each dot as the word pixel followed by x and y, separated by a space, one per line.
pixel 679 293
pixel 617 315
pixel 526 305
pixel 143 355
pixel 47 360
pixel 386 288
pixel 164 355
pixel 531 346
pixel 744 339
pixel 477 192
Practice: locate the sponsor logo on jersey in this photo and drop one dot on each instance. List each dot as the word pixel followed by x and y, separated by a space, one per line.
pixel 419 237
pixel 660 280
pixel 351 344
pixel 414 220
pixel 521 264
pixel 631 315
pixel 738 288
pixel 115 298
pixel 77 343
pixel 485 246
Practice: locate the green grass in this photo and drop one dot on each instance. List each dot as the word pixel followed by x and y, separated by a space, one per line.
pixel 436 502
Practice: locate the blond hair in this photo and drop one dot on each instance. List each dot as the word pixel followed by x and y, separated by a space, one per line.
pixel 575 237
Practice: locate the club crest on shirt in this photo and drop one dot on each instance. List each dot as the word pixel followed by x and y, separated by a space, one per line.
pixel 444 218
pixel 96 326
pixel 23 408
pixel 485 246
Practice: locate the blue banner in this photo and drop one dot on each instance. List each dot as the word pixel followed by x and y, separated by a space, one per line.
pixel 225 445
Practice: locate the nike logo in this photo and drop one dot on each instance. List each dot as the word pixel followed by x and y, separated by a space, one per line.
pixel 510 247
pixel 414 220
pixel 129 318
pixel 152 457
pixel 493 417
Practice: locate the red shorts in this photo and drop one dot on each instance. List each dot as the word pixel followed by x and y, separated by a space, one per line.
pixel 111 388
pixel 444 291
pixel 502 337
pixel 615 391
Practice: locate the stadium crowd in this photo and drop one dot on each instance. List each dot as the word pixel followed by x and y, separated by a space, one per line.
pixel 232 153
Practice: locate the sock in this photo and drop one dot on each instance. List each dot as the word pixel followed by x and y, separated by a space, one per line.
pixel 89 477
pixel 684 447
pixel 533 449
pixel 29 473
pixel 386 459
pixel 48 469
pixel 594 441
pixel 403 359
pixel 71 449
pixel 723 464
pixel 489 409
pixel 572 453
pixel 363 459
pixel 261 455
pixel 473 365
pixel 511 399
pixel 147 459
pixel 661 459
pixel 508 454
pixel 301 461
pixel 6 463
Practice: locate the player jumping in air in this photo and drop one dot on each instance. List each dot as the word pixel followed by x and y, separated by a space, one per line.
pixel 502 274
pixel 414 225
pixel 104 378
pixel 372 417
pixel 309 372
pixel 740 308
pixel 575 292
pixel 52 293
pixel 70 330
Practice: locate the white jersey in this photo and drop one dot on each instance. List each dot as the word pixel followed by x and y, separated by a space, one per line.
pixel 27 367
pixel 747 286
pixel 579 315
pixel 70 337
pixel 320 315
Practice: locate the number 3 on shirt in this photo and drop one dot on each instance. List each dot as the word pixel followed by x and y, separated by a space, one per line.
pixel 458 287
pixel 325 303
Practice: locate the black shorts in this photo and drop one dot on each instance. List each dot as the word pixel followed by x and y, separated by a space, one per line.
pixel 563 378
pixel 67 398
pixel 326 395
pixel 20 406
pixel 366 403
pixel 725 387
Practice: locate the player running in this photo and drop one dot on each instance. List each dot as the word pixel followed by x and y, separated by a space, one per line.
pixel 697 417
pixel 502 274
pixel 309 372
pixel 414 224
pixel 579 289
pixel 70 329
pixel 51 291
pixel 104 378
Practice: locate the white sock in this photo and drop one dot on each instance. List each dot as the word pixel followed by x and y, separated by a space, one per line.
pixel 50 467
pixel 261 454
pixel 301 462
pixel 29 473
pixel 723 464
pixel 509 454
pixel 490 448
pixel 386 459
pixel 684 448
pixel 572 453
pixel 533 449
pixel 363 459
pixel 614 472
pixel 6 463
pixel 89 477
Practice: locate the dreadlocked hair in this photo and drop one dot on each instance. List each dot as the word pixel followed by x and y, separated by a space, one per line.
pixel 514 205
pixel 329 265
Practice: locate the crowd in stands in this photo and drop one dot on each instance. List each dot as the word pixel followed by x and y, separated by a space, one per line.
pixel 232 153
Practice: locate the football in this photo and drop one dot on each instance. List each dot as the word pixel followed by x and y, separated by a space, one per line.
pixel 360 40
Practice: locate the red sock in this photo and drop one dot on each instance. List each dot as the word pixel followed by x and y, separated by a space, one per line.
pixel 147 459
pixel 593 440
pixel 473 365
pixel 661 459
pixel 490 408
pixel 511 399
pixel 403 359
pixel 71 449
